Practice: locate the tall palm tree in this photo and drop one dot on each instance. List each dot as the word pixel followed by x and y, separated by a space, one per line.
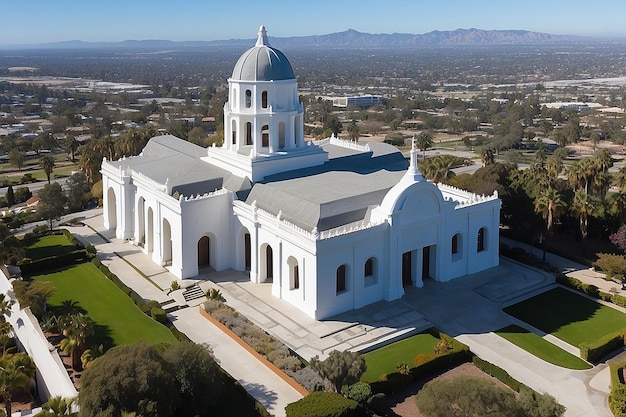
pixel 585 206
pixel 554 166
pixel 77 329
pixel 71 145
pixel 424 141
pixel 16 372
pixel 549 204
pixel 47 164
pixel 619 178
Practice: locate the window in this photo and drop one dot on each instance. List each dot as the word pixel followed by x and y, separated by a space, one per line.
pixel 369 272
pixel 265 136
pixel 455 244
pixel 234 131
pixel 264 99
pixel 294 273
pixel 249 133
pixel 296 277
pixel 369 267
pixel 248 99
pixel 481 240
pixel 341 279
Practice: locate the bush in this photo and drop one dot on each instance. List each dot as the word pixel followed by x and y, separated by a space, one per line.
pixel 323 404
pixel 309 379
pixel 614 266
pixel 617 397
pixel 158 314
pixel 359 392
pixel 596 350
pixel 497 372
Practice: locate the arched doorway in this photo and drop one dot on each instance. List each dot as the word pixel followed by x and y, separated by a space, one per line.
pixel 150 231
pixel 204 252
pixel 111 209
pixel 167 243
pixel 141 221
pixel 407 269
pixel 247 250
pixel 267 263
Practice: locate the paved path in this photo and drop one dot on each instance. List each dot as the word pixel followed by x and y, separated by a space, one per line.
pixel 468 308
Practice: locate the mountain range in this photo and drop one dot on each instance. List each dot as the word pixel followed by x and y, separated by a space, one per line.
pixel 347 39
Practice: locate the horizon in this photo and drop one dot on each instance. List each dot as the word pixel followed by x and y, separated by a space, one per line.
pixel 117 21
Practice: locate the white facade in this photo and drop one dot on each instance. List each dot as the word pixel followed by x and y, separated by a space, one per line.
pixel 331 226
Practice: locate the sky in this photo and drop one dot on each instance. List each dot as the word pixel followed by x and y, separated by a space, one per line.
pixel 42 21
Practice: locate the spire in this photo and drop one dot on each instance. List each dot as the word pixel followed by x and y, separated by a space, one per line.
pixel 413 172
pixel 262 39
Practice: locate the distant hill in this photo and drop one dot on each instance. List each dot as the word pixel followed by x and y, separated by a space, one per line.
pixel 347 39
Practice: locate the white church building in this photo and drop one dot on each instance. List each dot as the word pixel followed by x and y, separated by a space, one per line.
pixel 331 225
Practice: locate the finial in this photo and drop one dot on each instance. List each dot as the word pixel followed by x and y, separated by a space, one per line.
pixel 262 39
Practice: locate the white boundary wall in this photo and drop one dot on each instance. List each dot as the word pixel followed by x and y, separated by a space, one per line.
pixel 51 377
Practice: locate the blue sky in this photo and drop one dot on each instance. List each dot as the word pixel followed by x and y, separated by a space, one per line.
pixel 37 21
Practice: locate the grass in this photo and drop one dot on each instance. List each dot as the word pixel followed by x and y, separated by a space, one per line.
pixel 118 320
pixel 384 360
pixel 570 317
pixel 541 348
pixel 48 246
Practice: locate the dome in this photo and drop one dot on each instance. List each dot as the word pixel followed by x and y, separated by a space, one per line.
pixel 263 63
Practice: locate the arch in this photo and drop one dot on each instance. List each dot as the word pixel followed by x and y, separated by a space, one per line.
pixel 111 209
pixel 341 279
pixel 233 130
pixel 370 271
pixel 248 99
pixel 141 220
pixel 204 251
pixel 245 251
pixel 265 136
pixel 166 254
pixel 267 263
pixel 456 247
pixel 264 99
pixel 150 231
pixel 294 273
pixel 481 244
pixel 281 135
pixel 248 133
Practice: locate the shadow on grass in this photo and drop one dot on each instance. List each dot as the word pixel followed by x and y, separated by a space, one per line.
pixel 101 336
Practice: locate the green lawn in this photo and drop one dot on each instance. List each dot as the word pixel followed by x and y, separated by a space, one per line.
pixel 384 360
pixel 568 316
pixel 118 320
pixel 541 348
pixel 47 246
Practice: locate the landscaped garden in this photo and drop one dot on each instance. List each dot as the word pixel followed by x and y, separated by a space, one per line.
pixel 570 317
pixel 385 360
pixel 118 320
pixel 541 348
pixel 50 245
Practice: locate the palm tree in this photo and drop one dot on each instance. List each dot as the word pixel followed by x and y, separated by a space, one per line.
pixel 554 166
pixel 58 407
pixel 619 178
pixel 549 204
pixel 438 169
pixel 71 145
pixel 47 163
pixel 585 206
pixel 424 141
pixel 77 329
pixel 16 372
pixel 488 157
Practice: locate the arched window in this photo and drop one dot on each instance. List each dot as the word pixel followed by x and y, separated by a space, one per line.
pixel 455 244
pixel 369 272
pixel 264 99
pixel 265 136
pixel 294 273
pixel 248 99
pixel 248 133
pixel 234 132
pixel 341 279
pixel 481 240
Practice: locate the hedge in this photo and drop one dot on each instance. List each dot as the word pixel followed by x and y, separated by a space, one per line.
pixel 498 373
pixel 594 351
pixel 53 262
pixel 617 397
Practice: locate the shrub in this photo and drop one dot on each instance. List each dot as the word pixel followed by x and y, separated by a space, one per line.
pixel 617 397
pixel 596 350
pixel 614 266
pixel 175 286
pixel 158 314
pixel 423 358
pixel 323 404
pixel 359 392
pixel 308 378
pixel 497 372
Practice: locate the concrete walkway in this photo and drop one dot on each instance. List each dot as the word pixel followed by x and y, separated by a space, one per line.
pixel 468 308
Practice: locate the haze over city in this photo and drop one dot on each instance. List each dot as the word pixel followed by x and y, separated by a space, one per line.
pixel 116 20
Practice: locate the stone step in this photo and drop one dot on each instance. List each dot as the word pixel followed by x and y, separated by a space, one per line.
pixel 169 306
pixel 193 293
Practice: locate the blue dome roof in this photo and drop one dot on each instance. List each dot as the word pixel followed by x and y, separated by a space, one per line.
pixel 263 63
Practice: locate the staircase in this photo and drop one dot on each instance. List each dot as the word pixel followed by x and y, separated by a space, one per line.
pixel 193 293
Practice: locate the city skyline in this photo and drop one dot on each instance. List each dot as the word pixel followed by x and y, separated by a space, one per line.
pixel 195 20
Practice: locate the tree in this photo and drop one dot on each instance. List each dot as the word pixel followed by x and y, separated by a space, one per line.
pixel 16 372
pixel 333 124
pixel 76 329
pixel 538 405
pixel 340 368
pixel 550 205
pixel 585 206
pixel 10 196
pixel 323 404
pixel 466 396
pixel 47 164
pixel 353 131
pixel 487 157
pixel 36 297
pixel 71 145
pixel 77 191
pixel 424 141
pixel 57 407
pixel 51 203
pixel 16 158
pixel 128 378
